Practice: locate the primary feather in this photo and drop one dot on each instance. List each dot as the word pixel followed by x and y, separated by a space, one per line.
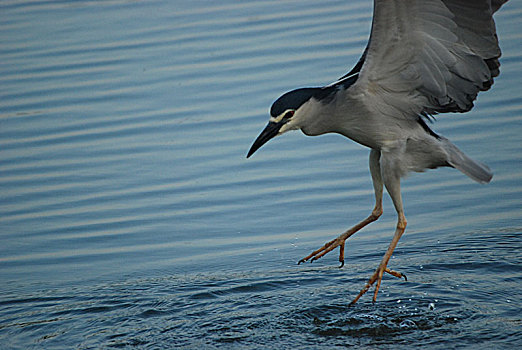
pixel 430 56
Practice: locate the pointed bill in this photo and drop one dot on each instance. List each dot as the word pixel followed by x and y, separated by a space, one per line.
pixel 270 131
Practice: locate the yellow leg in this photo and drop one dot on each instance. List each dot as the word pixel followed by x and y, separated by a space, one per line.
pixel 392 182
pixel 340 241
pixel 375 171
pixel 377 275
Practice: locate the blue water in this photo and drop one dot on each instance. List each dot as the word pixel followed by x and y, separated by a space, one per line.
pixel 130 218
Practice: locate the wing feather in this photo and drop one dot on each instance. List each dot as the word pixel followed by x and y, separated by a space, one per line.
pixel 429 56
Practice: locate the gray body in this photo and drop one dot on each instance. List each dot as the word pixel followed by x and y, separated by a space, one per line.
pixel 406 145
pixel 424 57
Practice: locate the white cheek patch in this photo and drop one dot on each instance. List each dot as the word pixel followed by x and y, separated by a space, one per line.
pixel 283 129
pixel 288 127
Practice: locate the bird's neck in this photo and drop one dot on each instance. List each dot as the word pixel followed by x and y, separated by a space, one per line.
pixel 346 117
pixel 316 118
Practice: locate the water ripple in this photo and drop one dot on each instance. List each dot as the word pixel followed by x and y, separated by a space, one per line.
pixel 129 216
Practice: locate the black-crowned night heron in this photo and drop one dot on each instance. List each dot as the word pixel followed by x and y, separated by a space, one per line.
pixel 424 57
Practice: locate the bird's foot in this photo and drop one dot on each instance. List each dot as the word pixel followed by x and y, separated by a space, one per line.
pixel 396 274
pixel 328 247
pixel 377 276
pixel 339 241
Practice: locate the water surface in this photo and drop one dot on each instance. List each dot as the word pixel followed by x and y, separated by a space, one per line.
pixel 129 216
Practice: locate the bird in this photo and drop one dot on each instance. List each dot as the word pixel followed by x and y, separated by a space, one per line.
pixel 423 58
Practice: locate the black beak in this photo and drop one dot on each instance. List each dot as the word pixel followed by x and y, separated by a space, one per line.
pixel 271 130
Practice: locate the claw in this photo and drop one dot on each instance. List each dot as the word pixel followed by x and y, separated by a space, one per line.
pixel 396 274
pixel 342 264
pixel 340 241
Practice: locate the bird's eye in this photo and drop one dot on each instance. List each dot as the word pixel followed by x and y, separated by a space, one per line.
pixel 288 115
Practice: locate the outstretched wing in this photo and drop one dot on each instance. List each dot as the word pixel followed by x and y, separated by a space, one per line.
pixel 429 56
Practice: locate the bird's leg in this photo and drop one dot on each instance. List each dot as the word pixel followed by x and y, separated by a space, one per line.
pixel 339 241
pixel 375 170
pixel 377 275
pixel 393 186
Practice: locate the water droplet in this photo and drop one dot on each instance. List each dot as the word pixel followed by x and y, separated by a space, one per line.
pixel 431 306
pixel 421 267
pixel 408 324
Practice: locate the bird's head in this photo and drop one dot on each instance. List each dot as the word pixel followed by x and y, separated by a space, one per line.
pixel 287 113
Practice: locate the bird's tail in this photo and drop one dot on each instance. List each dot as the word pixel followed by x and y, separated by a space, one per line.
pixel 457 159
